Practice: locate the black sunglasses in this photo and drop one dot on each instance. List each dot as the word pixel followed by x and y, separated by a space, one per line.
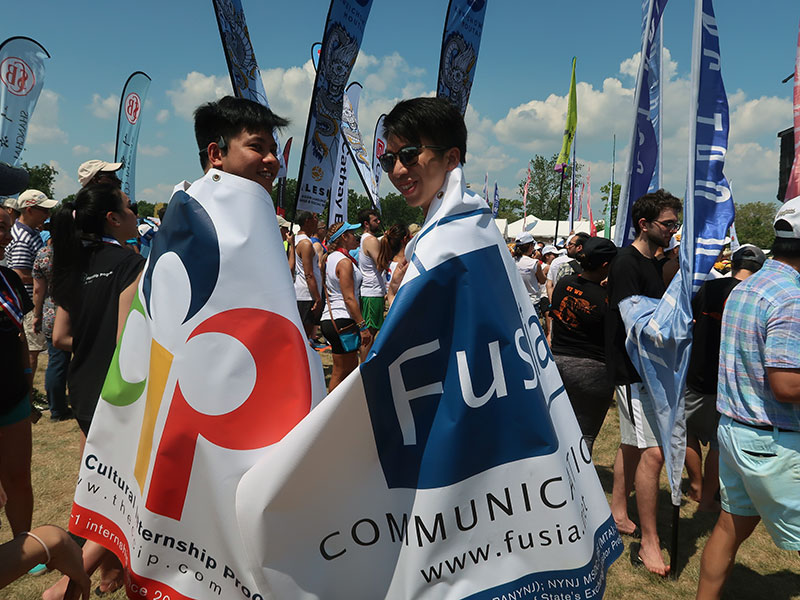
pixel 134 208
pixel 408 156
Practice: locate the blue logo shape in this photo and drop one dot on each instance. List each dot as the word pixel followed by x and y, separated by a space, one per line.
pixel 188 232
pixel 456 393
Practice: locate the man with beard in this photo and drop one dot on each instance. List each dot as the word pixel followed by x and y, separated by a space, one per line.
pixel 635 272
pixel 373 286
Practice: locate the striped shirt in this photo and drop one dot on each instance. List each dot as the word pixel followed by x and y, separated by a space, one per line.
pixel 760 330
pixel 21 252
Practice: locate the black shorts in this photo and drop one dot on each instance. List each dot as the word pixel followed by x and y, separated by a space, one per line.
pixel 330 334
pixel 306 316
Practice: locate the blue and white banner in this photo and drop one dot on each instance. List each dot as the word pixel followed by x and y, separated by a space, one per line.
pixel 344 29
pixel 496 202
pixel 241 59
pixel 378 148
pixel 643 151
pixel 316 50
pixel 461 42
pixel 573 194
pixel 486 189
pixel 449 465
pixel 22 76
pixel 659 332
pixel 656 73
pixel 134 93
pixel 355 143
pixel 337 211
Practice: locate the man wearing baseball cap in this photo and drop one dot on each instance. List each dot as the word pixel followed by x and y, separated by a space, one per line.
pixel 759 401
pixel 98 171
pixel 34 208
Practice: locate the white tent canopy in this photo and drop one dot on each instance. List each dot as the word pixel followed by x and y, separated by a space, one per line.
pixel 545 230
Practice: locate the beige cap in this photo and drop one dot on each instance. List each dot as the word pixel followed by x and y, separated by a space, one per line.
pixel 30 198
pixel 92 167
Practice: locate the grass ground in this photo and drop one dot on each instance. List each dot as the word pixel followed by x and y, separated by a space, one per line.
pixel 762 571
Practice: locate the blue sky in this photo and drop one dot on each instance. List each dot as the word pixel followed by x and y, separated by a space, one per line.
pixel 518 103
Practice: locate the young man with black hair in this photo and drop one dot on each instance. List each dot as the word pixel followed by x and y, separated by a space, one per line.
pixel 759 402
pixel 635 272
pixel 417 163
pixel 701 379
pixel 235 136
pixel 373 286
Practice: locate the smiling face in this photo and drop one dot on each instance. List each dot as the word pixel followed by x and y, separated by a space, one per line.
pixel 419 182
pixel 248 155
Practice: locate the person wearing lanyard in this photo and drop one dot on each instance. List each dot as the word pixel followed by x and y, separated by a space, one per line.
pixel 342 322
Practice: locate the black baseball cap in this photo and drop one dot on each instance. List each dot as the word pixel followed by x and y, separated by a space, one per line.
pixel 596 252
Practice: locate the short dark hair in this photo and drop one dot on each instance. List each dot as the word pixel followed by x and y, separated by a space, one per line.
pixel 228 117
pixel 649 206
pixel 580 238
pixel 784 247
pixel 365 213
pixel 436 119
pixel 302 218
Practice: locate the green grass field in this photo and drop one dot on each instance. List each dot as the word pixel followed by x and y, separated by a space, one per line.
pixel 762 571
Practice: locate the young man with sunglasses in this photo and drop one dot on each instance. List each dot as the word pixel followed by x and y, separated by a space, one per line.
pixel 424 142
pixel 635 272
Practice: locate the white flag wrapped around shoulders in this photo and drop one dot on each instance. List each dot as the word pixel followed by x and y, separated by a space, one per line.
pixel 450 464
pixel 212 368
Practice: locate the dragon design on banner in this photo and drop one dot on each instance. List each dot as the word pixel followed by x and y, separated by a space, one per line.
pixel 342 49
pixel 458 60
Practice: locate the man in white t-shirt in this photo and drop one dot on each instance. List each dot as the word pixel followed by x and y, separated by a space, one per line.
pixel 373 285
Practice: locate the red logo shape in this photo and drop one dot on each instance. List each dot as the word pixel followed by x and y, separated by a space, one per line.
pixel 280 397
pixel 133 106
pixel 17 76
pixel 381 147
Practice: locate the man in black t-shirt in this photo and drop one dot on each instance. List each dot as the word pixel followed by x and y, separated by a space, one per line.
pixel 580 304
pixel 634 272
pixel 701 380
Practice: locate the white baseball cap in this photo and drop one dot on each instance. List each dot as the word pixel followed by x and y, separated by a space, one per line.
pixel 790 213
pixel 92 167
pixel 30 198
pixel 525 238
pixel 549 249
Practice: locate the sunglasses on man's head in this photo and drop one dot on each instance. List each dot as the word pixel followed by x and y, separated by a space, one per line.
pixel 408 156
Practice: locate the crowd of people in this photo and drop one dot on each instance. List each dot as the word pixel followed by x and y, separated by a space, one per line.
pixel 72 295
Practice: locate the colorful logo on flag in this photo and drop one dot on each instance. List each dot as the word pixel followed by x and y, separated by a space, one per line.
pixel 17 76
pixel 133 105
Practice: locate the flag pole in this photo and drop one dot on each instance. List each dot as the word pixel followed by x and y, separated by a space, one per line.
pixel 607 232
pixel 558 210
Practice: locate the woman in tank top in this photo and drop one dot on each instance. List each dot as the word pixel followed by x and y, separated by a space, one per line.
pixel 341 316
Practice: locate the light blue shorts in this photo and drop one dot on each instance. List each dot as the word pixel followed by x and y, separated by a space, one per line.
pixel 759 473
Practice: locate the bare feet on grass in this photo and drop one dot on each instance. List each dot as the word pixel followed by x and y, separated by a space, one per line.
pixel 653 560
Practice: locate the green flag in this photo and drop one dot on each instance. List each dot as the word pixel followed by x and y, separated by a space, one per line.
pixel 572 123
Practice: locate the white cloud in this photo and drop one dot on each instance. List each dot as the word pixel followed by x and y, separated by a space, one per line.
pixel 159 193
pixel 105 108
pixel 153 150
pixel 162 116
pixel 755 118
pixel 44 127
pixel 196 89
pixel 79 150
pixel 64 184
